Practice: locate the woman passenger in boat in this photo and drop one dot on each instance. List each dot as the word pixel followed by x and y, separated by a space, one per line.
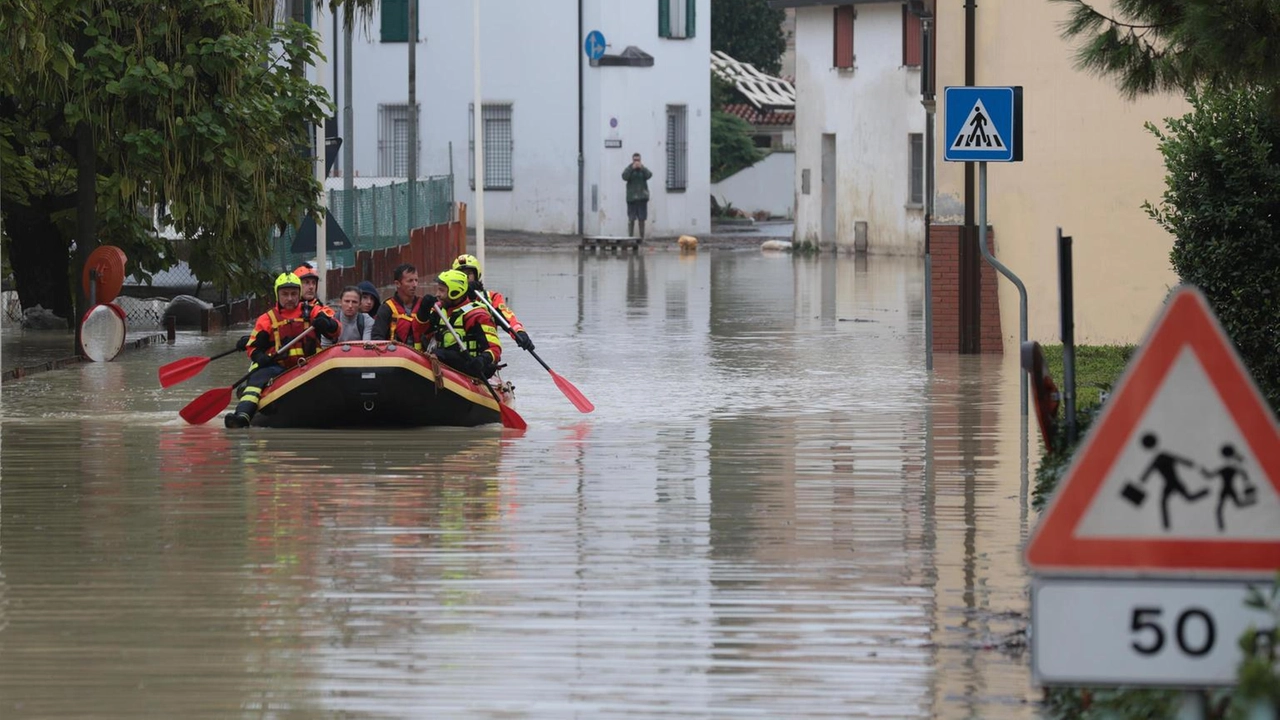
pixel 397 319
pixel 481 350
pixel 369 297
pixel 273 330
pixel 356 326
pixel 470 265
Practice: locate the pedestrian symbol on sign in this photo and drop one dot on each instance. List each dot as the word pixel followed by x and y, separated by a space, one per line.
pixel 978 132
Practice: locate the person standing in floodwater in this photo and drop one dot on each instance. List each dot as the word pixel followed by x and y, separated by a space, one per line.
pixel 1166 465
pixel 1228 473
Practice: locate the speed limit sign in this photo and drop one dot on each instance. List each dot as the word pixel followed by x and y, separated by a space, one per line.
pixel 1140 632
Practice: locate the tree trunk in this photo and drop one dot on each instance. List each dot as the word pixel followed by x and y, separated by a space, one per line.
pixel 38 253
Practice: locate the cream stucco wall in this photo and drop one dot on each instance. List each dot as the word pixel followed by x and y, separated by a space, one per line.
pixel 870 110
pixel 1088 166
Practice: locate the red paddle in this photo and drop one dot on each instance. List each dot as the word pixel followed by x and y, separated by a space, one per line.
pixel 211 402
pixel 575 395
pixel 510 418
pixel 187 368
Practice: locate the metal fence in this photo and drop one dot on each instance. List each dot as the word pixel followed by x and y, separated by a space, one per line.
pixel 373 218
pixel 376 218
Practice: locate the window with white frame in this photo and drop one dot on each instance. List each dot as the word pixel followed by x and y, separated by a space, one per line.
pixel 676 18
pixel 915 166
pixel 677 148
pixel 393 140
pixel 498 146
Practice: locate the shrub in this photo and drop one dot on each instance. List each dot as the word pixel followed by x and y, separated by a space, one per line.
pixel 1222 204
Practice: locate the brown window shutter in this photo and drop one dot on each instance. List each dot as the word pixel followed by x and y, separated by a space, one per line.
pixel 843 41
pixel 912 55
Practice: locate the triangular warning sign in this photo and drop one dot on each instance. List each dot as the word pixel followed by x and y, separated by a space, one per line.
pixel 1180 474
pixel 978 132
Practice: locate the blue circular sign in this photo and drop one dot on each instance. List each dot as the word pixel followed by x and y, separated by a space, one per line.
pixel 593 46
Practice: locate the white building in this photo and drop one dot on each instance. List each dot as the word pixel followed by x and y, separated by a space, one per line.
pixel 859 126
pixel 649 94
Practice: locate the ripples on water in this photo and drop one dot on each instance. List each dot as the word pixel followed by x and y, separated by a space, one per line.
pixel 774 512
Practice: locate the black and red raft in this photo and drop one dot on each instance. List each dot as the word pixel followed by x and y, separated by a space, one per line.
pixel 378 384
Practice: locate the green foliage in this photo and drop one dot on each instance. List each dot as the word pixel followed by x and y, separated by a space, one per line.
pixel 749 31
pixel 722 92
pixel 731 146
pixel 1110 704
pixel 1222 204
pixel 1161 45
pixel 1098 367
pixel 197 107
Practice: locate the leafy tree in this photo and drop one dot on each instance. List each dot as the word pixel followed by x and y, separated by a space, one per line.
pixel 113 107
pixel 1222 204
pixel 749 31
pixel 731 146
pixel 1161 45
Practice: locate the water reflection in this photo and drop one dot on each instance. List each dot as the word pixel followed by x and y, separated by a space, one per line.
pixel 774 511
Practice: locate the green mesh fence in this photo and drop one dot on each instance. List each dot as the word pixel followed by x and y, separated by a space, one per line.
pixel 379 218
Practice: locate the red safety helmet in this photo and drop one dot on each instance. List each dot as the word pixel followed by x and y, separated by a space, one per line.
pixel 305 271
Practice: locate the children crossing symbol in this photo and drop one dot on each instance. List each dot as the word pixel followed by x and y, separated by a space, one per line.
pixel 1181 473
pixel 978 132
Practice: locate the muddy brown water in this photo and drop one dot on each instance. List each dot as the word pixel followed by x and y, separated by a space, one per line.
pixel 774 512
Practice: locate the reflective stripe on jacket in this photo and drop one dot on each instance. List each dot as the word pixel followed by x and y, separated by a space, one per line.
pixel 405 326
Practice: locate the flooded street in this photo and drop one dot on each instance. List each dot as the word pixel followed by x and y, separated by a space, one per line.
pixel 774 512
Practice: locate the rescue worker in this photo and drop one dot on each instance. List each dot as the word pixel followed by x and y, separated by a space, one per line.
pixel 401 316
pixel 273 330
pixel 481 351
pixel 310 286
pixel 471 266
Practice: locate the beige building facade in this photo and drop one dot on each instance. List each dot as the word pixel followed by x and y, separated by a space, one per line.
pixel 1088 166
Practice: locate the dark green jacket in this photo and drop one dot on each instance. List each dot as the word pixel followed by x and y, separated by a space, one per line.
pixel 637 182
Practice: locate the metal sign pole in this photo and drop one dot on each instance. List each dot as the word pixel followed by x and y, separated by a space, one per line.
pixel 1022 290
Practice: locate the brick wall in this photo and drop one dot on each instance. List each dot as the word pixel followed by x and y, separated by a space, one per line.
pixel 944 251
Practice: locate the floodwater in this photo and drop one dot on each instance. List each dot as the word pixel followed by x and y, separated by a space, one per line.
pixel 774 512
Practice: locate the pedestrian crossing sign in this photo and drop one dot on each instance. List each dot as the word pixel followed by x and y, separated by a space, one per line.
pixel 1180 475
pixel 983 124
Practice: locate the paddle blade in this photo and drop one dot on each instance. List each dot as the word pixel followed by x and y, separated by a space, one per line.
pixel 181 370
pixel 511 418
pixel 207 406
pixel 575 396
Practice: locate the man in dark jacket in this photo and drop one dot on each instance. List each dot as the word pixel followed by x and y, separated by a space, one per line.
pixel 637 177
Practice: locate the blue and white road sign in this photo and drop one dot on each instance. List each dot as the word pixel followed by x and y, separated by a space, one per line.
pixel 983 124
pixel 594 46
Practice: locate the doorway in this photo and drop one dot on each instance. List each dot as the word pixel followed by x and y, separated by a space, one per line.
pixel 828 237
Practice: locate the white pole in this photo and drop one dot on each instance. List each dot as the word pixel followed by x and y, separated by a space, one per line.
pixel 321 236
pixel 478 130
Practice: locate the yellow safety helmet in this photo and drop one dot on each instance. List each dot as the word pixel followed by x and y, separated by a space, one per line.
pixel 287 279
pixel 468 261
pixel 456 284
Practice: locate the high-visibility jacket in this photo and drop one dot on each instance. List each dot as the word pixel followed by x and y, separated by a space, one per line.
pixel 405 326
pixel 474 324
pixel 277 326
pixel 499 303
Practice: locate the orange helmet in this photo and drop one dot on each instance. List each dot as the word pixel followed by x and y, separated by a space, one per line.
pixel 305 271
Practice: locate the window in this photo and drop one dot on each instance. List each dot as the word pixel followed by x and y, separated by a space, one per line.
pixel 676 18
pixel 915 183
pixel 842 46
pixel 498 146
pixel 912 40
pixel 395 20
pixel 677 148
pixel 393 140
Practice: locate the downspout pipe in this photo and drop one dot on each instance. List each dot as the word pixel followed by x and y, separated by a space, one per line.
pixel 930 107
pixel 970 290
pixel 577 54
